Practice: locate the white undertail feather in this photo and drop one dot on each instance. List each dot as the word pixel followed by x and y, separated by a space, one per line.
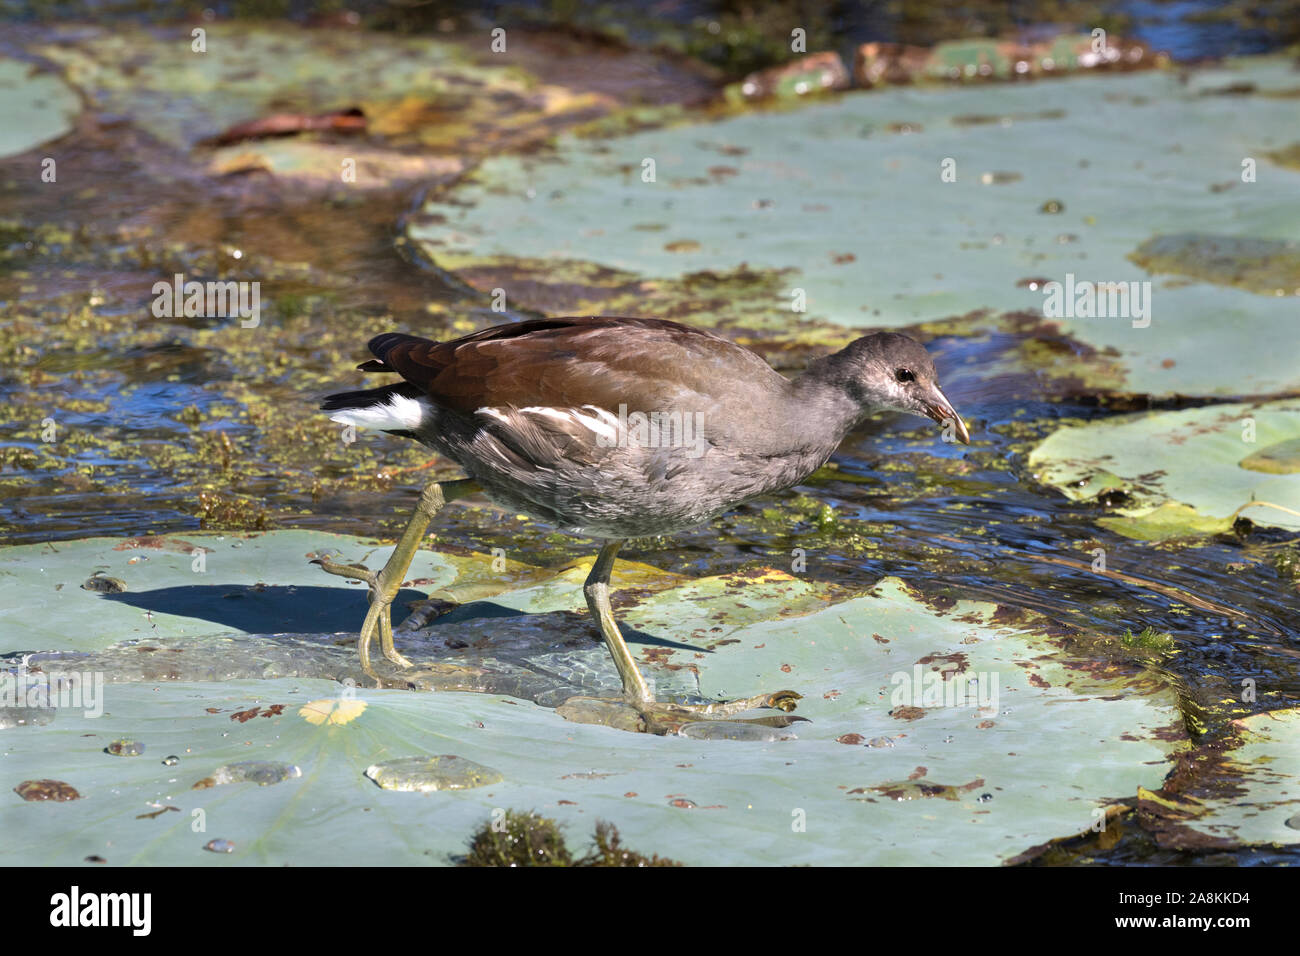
pixel 398 414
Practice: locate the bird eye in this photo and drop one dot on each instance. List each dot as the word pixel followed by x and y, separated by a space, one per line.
pixel 904 375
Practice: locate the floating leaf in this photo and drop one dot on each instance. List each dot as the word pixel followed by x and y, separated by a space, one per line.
pixel 1187 472
pixel 37 107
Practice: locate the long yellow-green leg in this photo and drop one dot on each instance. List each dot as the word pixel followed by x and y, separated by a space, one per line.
pixel 597 591
pixel 385 585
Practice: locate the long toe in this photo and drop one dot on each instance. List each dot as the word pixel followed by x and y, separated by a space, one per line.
pixel 654 717
pixel 783 700
pixel 397 658
pixel 358 572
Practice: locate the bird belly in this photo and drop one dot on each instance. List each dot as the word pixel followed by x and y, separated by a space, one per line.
pixel 620 498
pixel 618 491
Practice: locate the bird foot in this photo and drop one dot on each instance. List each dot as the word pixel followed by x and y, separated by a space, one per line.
pixel 379 619
pixel 665 717
pixel 357 572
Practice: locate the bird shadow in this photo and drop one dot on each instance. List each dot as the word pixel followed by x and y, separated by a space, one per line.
pixel 262 609
pixel 309 609
pixel 479 610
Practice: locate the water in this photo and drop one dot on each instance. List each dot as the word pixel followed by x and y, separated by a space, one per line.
pixel 264 773
pixel 427 774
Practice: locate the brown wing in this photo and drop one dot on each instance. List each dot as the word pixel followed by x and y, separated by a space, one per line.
pixel 646 364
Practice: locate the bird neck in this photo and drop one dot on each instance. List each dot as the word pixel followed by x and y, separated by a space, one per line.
pixel 833 383
pixel 830 400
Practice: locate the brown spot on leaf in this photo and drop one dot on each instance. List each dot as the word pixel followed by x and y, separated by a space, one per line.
pixel 55 790
pixel 947 664
pixel 682 245
pixel 160 543
pixel 156 813
pixel 907 713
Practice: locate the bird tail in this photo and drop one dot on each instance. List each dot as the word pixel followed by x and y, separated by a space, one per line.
pixel 392 408
pixel 365 397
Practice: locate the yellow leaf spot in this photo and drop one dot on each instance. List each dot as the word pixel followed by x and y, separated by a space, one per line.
pixel 332 711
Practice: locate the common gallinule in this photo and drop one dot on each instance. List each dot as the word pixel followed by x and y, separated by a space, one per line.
pixel 619 428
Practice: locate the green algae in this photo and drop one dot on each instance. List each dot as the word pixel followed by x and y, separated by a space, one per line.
pixel 1148 639
pixel 1288 156
pixel 517 838
pixel 413 91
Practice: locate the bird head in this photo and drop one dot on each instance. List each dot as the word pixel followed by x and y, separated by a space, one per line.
pixel 889 370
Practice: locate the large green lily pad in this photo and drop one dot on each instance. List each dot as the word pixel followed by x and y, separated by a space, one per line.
pixel 942 731
pixel 845 200
pixel 35 107
pixel 1185 472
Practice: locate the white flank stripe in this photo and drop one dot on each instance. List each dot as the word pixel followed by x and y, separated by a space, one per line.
pixel 607 417
pixel 602 423
pixel 558 414
pixel 597 425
